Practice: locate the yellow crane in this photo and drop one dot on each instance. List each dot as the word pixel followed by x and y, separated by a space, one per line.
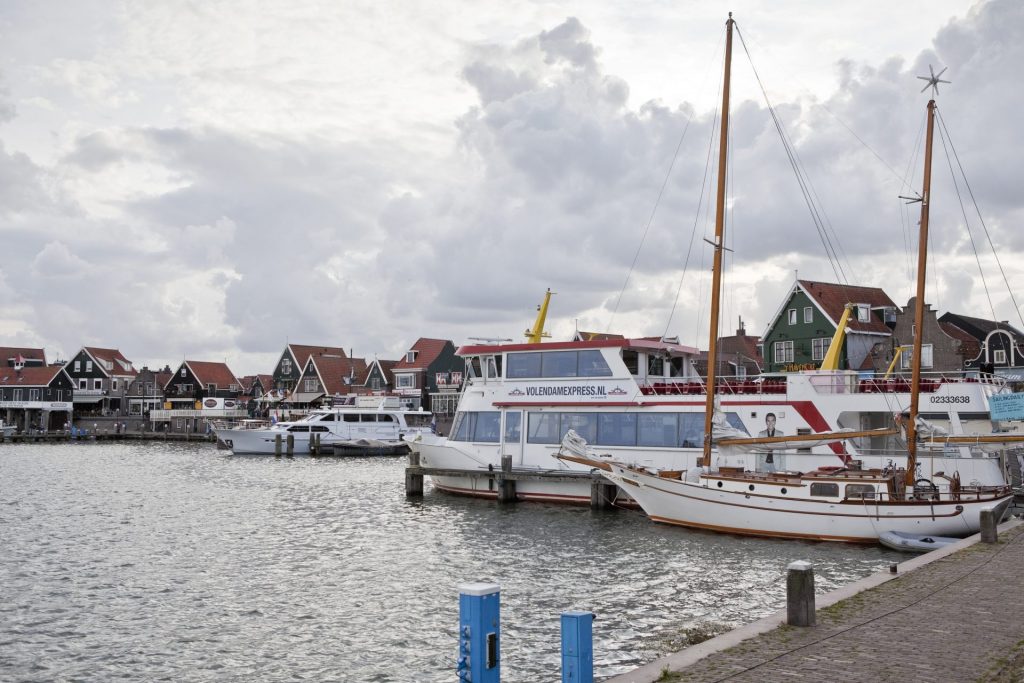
pixel 537 333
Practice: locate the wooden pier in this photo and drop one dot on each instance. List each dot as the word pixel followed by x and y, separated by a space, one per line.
pixel 58 437
pixel 602 491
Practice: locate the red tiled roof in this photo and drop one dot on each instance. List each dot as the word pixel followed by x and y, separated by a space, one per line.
pixel 10 353
pixel 427 352
pixel 333 372
pixel 39 376
pixel 208 372
pixel 115 358
pixel 161 378
pixel 969 346
pixel 832 298
pixel 302 352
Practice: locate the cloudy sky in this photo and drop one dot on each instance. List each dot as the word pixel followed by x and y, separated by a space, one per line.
pixel 213 179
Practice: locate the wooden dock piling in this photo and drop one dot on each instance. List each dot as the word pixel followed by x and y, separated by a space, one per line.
pixel 506 485
pixel 413 477
pixel 277 445
pixel 800 594
pixel 290 445
pixel 602 494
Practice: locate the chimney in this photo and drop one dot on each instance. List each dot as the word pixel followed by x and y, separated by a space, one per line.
pixel 742 331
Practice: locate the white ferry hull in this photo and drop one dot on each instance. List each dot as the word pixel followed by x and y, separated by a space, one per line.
pixel 695 505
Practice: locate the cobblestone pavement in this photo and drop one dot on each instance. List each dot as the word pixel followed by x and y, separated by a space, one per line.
pixel 960 618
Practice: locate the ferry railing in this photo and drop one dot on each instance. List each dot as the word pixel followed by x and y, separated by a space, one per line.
pixel 729 385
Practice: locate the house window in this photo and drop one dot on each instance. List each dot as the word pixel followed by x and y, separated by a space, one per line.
pixel 926 357
pixel 312 385
pixel 410 356
pixel 78 366
pixel 33 394
pixel 184 372
pixel 97 384
pixel 784 351
pixel 999 356
pixel 17 394
pixel 211 387
pixel 819 347
pixel 404 381
pixel 741 371
pixel 808 314
pixel 375 384
pixel 88 366
pixel 113 385
pixel 863 313
pixel 82 384
pixel 286 366
pixel 792 316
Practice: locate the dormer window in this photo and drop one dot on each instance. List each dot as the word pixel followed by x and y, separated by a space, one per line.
pixel 410 356
pixel 863 313
pixel 184 372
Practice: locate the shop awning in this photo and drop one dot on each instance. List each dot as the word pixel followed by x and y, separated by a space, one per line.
pixel 88 399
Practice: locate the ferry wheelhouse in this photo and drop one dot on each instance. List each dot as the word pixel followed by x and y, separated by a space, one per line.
pixel 642 402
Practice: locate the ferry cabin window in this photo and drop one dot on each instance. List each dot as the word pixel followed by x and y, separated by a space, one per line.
pixel 513 426
pixel 385 418
pixel 329 417
pixel 478 426
pixel 299 428
pixel 616 429
pixel 493 366
pixel 632 361
pixel 473 367
pixel 558 364
pixel 367 418
pixel 824 490
pixel 657 429
pixel 523 365
pixel 584 424
pixel 350 417
pixel 691 430
pixel 543 428
pixel 860 491
pixel 318 428
pixel 655 366
pixel 592 364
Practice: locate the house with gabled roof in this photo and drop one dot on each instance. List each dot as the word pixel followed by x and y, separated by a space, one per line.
pixel 942 348
pixel 739 356
pixel 379 377
pixel 998 348
pixel 799 334
pixel 197 392
pixel 22 357
pixel 429 375
pixel 326 378
pixel 292 363
pixel 146 391
pixel 102 377
pixel 36 397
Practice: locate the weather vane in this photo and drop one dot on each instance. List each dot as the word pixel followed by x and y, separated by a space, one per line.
pixel 933 80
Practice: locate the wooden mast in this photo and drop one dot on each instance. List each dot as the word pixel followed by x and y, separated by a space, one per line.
pixel 716 279
pixel 922 263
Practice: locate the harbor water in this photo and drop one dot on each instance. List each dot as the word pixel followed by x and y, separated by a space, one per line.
pixel 158 561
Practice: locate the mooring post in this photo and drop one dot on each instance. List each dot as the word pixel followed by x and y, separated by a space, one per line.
pixel 506 486
pixel 479 658
pixel 290 445
pixel 800 594
pixel 989 534
pixel 413 476
pixel 277 445
pixel 577 647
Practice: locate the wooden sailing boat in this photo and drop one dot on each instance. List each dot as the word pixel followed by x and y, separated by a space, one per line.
pixel 837 504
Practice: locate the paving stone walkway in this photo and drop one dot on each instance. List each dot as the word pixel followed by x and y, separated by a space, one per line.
pixel 959 618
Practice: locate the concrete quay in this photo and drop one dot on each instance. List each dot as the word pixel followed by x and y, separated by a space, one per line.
pixel 955 614
pixel 57 437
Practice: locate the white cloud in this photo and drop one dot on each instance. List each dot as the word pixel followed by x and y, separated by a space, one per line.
pixel 220 178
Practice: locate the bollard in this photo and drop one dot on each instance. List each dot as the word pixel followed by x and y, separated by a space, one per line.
pixel 989 534
pixel 506 487
pixel 290 445
pixel 277 445
pixel 800 594
pixel 479 657
pixel 577 647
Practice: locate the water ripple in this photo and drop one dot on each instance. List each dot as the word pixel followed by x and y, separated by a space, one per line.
pixel 178 562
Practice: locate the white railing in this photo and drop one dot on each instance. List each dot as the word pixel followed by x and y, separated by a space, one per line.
pixel 171 414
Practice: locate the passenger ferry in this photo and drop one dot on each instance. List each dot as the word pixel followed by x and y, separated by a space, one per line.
pixel 371 418
pixel 642 402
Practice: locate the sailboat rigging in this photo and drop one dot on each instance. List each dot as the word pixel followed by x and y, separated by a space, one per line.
pixel 841 503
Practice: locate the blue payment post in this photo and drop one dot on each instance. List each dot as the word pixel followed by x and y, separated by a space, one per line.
pixel 479 659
